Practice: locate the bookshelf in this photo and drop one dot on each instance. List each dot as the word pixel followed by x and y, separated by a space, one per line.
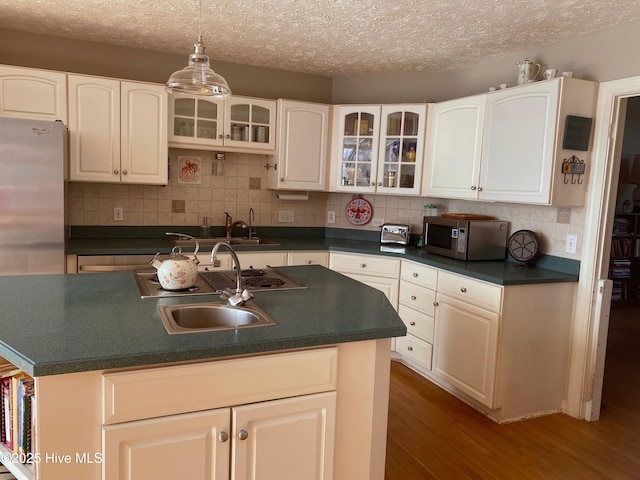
pixel 13 410
pixel 624 265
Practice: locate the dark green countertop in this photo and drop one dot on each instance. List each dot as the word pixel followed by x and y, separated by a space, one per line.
pixel 548 270
pixel 54 324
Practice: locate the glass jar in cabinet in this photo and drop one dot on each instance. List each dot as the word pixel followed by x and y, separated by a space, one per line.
pixel 195 121
pixel 250 123
pixel 401 149
pixel 359 132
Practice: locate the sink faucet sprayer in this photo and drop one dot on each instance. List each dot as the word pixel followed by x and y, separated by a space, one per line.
pixel 239 296
pixel 230 225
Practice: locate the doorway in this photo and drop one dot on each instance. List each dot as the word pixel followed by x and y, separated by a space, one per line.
pixel 622 359
pixel 591 318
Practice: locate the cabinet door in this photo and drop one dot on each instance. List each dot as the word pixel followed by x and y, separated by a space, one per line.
pixel 454 147
pixel 144 150
pixel 465 348
pixel 262 259
pixel 179 446
pixel 388 286
pixel 401 152
pixel 288 439
pixel 33 93
pixel 357 148
pixel 519 144
pixel 250 123
pixel 195 121
pixel 94 129
pixel 300 162
pixel 306 257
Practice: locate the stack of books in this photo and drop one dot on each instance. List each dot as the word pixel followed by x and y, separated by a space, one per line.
pixel 17 399
pixel 621 226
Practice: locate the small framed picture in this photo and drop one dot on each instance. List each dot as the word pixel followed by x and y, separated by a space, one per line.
pixel 189 170
pixel 577 133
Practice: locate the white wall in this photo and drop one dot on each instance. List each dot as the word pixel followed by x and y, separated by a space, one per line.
pixel 601 56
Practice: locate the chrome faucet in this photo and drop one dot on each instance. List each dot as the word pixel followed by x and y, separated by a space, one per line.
pixel 239 296
pixel 230 225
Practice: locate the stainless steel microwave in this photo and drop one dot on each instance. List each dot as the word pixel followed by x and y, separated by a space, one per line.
pixel 465 239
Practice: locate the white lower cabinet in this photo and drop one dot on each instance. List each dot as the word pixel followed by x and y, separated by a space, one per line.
pixel 416 309
pixel 307 257
pixel 466 348
pixel 376 271
pixel 286 439
pixel 261 259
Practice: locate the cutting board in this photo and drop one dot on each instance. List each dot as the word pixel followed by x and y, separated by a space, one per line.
pixel 467 216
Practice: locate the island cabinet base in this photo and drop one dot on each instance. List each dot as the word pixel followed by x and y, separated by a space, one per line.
pixel 327 405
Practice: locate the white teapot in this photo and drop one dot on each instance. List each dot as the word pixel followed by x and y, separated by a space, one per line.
pixel 178 272
pixel 527 71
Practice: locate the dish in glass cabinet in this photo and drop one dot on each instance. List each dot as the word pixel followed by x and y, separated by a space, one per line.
pixel 359 211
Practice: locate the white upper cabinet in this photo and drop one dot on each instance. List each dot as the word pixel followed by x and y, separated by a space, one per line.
pixel 454 148
pixel 33 93
pixel 508 146
pixel 378 149
pixel 300 161
pixel 117 131
pixel 357 135
pixel 524 133
pixel 401 155
pixel 238 124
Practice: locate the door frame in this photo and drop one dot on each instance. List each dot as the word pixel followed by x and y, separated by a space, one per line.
pixel 591 315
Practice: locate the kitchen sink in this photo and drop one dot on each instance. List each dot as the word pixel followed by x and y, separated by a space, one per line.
pixel 210 242
pixel 206 317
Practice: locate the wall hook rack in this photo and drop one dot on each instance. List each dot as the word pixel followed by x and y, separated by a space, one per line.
pixel 573 168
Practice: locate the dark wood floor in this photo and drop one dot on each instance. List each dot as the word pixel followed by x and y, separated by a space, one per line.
pixel 432 435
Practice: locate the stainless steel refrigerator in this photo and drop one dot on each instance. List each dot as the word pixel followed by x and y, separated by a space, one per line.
pixel 33 157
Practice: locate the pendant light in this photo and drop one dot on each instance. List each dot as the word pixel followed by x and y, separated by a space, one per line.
pixel 197 78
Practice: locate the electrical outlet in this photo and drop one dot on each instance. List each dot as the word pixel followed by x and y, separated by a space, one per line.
pixel 285 216
pixel 331 216
pixel 572 244
pixel 377 222
pixel 118 214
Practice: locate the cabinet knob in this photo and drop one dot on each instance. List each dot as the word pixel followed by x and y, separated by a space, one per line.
pixel 124 172
pixel 410 349
pixel 415 275
pixel 379 184
pixel 413 324
pixel 223 437
pixel 309 262
pixel 116 172
pixel 227 136
pixel 479 189
pixel 363 265
pixel 281 179
pixel 220 136
pixel 435 304
pixel 473 187
pixel 243 435
pixel 413 297
pixel 463 290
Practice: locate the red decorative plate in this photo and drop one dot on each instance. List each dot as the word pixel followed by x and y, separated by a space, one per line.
pixel 359 211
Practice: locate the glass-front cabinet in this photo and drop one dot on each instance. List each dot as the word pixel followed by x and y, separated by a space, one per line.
pixel 401 149
pixel 380 148
pixel 360 127
pixel 237 124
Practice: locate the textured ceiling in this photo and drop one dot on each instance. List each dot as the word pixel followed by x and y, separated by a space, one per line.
pixel 327 37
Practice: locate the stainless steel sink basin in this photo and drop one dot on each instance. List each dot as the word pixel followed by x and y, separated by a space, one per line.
pixel 205 317
pixel 210 242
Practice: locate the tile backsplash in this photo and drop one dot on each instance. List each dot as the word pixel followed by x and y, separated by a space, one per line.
pixel 243 186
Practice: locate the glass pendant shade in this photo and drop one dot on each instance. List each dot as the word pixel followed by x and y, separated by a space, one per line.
pixel 197 78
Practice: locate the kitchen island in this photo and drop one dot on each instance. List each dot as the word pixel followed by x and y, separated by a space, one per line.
pixel 95 348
